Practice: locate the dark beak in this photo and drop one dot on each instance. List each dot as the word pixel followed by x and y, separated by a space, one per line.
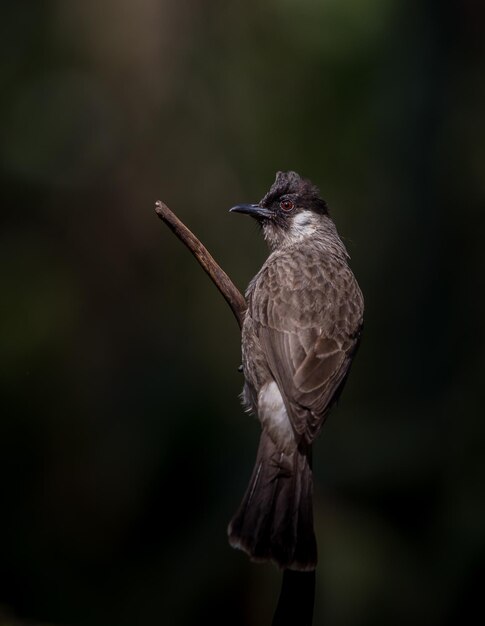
pixel 254 210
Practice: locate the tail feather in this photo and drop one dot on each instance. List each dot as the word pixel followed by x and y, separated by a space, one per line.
pixel 275 518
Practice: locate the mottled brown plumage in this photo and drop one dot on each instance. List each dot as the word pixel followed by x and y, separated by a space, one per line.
pixel 300 334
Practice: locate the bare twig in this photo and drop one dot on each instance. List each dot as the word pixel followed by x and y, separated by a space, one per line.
pixel 296 600
pixel 221 280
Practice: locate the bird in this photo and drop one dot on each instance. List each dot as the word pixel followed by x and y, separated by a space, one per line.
pixel 300 333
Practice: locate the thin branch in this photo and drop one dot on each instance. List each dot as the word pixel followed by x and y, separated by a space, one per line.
pixel 296 600
pixel 221 280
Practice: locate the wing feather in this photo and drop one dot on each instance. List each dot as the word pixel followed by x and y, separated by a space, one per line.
pixel 308 336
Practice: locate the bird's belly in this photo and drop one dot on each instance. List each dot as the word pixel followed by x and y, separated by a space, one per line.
pixel 255 367
pixel 274 418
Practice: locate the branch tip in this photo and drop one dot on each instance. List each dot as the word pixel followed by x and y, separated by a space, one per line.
pixel 230 292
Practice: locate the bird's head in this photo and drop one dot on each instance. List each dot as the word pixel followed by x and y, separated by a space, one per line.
pixel 291 210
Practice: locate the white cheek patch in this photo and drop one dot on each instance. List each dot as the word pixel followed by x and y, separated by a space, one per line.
pixel 303 225
pixel 273 416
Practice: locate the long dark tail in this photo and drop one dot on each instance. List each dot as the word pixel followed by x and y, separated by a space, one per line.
pixel 275 518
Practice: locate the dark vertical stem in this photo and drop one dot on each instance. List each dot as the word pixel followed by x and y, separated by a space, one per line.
pixel 297 599
pixel 297 596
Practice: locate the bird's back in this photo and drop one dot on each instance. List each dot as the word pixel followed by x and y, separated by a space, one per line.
pixel 304 319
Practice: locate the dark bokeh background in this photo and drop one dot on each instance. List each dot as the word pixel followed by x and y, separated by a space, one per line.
pixel 123 448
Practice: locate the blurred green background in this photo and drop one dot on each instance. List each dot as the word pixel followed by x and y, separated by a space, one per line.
pixel 123 448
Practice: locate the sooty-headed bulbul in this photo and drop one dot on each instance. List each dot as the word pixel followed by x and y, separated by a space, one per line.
pixel 300 333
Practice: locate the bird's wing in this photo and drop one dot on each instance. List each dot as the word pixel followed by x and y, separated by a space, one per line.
pixel 308 319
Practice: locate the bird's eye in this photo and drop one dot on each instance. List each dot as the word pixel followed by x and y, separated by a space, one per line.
pixel 286 205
